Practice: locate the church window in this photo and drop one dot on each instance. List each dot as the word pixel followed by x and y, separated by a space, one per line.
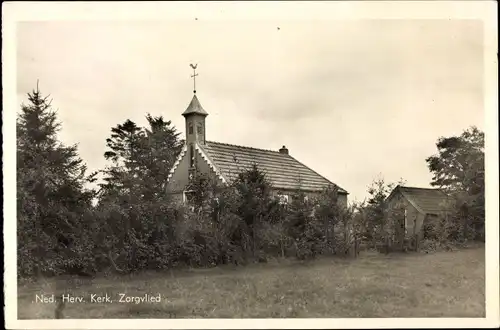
pixel 187 198
pixel 190 128
pixel 199 129
pixel 283 199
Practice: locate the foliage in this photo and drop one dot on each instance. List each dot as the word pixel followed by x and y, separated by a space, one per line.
pixel 136 212
pixel 378 217
pixel 459 164
pixel 458 168
pixel 303 227
pixel 141 159
pixel 52 198
pixel 253 201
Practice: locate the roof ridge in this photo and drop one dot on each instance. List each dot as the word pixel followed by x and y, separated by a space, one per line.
pixel 434 189
pixel 245 147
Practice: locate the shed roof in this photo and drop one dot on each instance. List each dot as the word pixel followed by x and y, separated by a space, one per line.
pixel 425 200
pixel 281 169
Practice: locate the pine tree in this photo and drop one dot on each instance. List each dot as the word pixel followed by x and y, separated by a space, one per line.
pixel 52 198
pixel 141 158
pixel 327 214
pixel 377 210
pixel 124 149
pixel 133 203
pixel 253 191
pixel 161 146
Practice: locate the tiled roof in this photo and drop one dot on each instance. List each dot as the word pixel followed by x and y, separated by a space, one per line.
pixel 282 170
pixel 429 201
pixel 195 107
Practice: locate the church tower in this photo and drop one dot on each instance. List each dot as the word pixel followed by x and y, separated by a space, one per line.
pixel 195 121
pixel 195 125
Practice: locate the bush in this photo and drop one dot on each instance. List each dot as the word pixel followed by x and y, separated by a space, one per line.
pixel 274 240
pixel 234 225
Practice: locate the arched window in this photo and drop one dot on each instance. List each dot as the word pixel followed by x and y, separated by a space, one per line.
pixel 199 129
pixel 190 128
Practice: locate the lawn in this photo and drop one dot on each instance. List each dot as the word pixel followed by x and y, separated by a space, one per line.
pixel 443 284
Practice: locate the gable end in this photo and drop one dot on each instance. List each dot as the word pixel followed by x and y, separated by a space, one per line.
pixel 177 162
pixel 211 165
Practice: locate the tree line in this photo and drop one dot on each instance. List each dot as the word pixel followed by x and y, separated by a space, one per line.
pixel 129 222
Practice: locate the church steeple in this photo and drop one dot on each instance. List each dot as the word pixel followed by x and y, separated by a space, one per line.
pixel 195 108
pixel 195 117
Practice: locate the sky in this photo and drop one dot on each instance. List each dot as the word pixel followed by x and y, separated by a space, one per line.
pixel 354 100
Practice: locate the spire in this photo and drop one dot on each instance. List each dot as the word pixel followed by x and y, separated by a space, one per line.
pixel 195 108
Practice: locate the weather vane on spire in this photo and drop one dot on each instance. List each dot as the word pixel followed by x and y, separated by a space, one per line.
pixel 194 76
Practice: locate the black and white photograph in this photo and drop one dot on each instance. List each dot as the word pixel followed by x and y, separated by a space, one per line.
pixel 250 164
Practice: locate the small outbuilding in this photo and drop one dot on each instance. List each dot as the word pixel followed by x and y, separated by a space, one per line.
pixel 420 205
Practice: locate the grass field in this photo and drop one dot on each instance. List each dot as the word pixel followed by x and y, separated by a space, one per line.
pixel 443 284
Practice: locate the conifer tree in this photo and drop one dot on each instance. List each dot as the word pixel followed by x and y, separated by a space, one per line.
pixel 52 198
pixel 133 204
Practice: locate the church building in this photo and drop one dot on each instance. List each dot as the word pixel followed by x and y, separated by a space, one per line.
pixel 224 162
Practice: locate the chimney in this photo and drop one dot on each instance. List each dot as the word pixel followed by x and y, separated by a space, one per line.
pixel 284 150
